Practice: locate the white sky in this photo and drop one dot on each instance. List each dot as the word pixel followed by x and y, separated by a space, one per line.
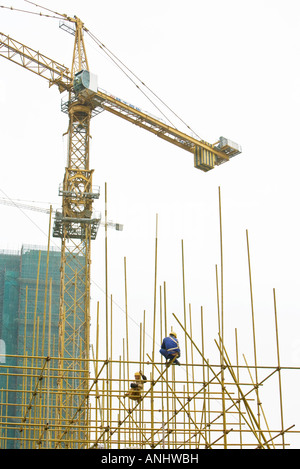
pixel 226 68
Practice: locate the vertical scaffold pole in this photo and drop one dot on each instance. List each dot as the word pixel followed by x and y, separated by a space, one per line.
pixel 222 324
pixel 279 368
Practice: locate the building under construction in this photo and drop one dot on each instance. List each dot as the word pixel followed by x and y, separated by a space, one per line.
pixel 30 285
pixel 62 388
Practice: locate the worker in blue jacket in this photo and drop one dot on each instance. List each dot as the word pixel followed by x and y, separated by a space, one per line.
pixel 170 348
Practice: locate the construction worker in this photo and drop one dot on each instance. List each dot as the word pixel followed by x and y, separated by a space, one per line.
pixel 170 348
pixel 136 388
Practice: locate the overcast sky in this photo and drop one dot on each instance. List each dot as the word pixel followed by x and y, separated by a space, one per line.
pixel 226 68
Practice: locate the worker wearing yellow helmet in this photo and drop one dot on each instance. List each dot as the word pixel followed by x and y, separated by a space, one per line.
pixel 170 348
pixel 136 387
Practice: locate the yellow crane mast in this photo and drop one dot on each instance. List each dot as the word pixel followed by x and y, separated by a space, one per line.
pixel 75 223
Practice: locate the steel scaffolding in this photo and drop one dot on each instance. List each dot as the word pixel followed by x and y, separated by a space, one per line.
pixel 204 403
pixel 173 413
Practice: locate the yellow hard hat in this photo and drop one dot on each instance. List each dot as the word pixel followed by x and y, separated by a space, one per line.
pixel 173 333
pixel 137 375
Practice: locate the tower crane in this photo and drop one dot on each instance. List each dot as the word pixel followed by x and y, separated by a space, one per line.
pixel 75 224
pixel 35 208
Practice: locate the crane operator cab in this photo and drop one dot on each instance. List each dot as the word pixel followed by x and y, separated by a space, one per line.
pixel 85 83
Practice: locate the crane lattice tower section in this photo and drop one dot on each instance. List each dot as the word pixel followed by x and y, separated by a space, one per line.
pixel 76 228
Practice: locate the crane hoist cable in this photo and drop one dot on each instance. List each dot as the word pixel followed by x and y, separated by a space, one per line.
pixel 116 61
pixel 30 12
pixel 48 9
pixel 120 64
pixel 60 15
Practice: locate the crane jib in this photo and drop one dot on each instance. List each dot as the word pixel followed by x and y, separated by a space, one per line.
pixel 206 155
pixel 34 61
